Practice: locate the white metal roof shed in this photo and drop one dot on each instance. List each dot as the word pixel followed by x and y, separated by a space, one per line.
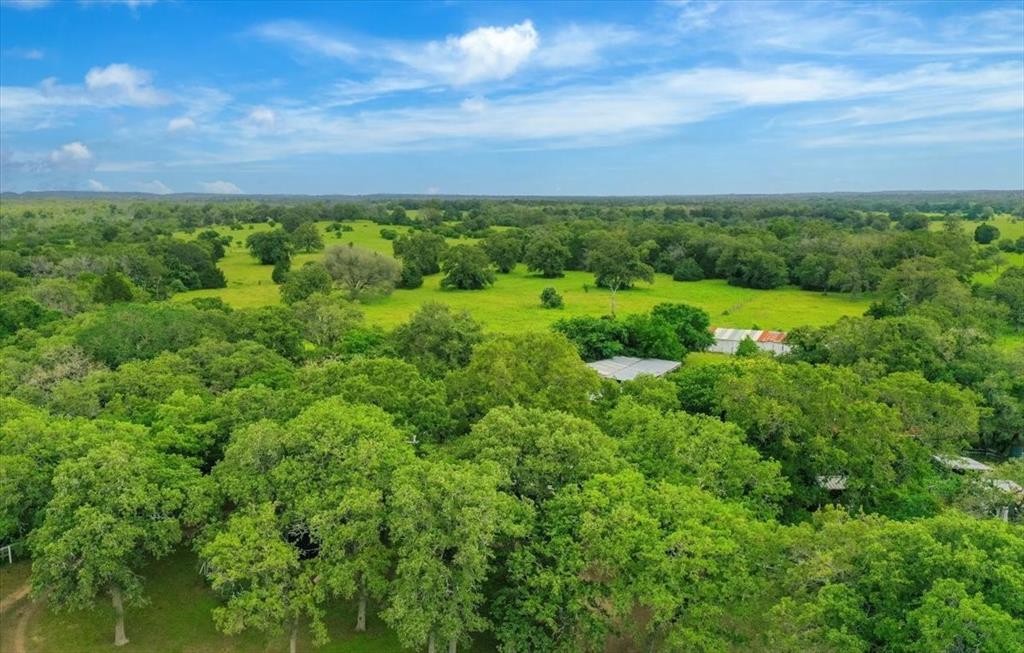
pixel 627 368
pixel 961 463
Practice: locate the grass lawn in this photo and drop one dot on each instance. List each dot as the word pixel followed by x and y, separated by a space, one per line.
pixel 513 303
pixel 178 620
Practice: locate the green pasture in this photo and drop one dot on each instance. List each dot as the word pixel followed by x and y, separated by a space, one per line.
pixel 513 302
pixel 178 619
pixel 1009 227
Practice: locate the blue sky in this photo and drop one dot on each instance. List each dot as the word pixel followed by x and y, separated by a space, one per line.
pixel 510 98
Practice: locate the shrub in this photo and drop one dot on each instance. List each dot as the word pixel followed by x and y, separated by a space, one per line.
pixel 549 298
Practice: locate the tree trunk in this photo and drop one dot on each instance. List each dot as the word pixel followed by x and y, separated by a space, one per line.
pixel 453 645
pixel 293 642
pixel 361 615
pixel 431 648
pixel 115 598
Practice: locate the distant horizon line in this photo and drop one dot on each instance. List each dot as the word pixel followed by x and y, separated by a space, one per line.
pixel 443 196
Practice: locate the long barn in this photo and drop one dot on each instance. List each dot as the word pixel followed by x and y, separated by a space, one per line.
pixel 727 341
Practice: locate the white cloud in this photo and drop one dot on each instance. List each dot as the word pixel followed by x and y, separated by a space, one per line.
pixel 26 4
pixel 433 190
pixel 156 187
pixel 70 154
pixel 484 54
pixel 298 35
pixel 262 117
pixel 130 83
pixel 850 28
pixel 618 110
pixel 577 45
pixel 51 103
pixel 220 187
pixel 181 123
pixel 29 54
pixel 97 186
pixel 474 104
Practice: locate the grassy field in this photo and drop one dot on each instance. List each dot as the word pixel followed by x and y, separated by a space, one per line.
pixel 513 302
pixel 1009 227
pixel 178 620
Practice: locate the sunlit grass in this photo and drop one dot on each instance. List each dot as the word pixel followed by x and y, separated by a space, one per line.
pixel 513 303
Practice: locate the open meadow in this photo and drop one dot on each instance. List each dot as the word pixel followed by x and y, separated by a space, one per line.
pixel 513 303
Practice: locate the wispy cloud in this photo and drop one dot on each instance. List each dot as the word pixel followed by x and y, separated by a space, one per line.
pixel 220 187
pixel 155 186
pixel 28 54
pixel 116 85
pixel 852 28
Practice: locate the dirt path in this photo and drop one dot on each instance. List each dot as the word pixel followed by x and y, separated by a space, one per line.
pixel 14 597
pixel 21 629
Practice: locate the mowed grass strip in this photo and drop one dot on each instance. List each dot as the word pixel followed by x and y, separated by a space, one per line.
pixel 513 303
pixel 179 619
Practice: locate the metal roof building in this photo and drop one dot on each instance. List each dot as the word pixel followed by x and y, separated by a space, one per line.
pixel 832 483
pixel 627 368
pixel 961 463
pixel 727 341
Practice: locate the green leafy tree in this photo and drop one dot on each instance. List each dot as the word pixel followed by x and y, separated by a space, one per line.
pixel 445 523
pixel 466 267
pixel 698 450
pixel 274 327
pixel 112 510
pixel 535 370
pixel 281 271
pixel 113 287
pixel 692 325
pixel 941 415
pixel 327 319
pixel 813 420
pixel 1008 289
pixel 747 348
pixel 262 576
pixel 309 279
pixel 595 338
pixel 360 272
pixel 437 339
pixel 616 264
pixel 269 247
pixel 421 250
pixel 549 298
pixel 618 548
pixel 541 451
pixel 135 331
pixel 393 385
pixel 985 234
pixel 306 238
pixel 937 584
pixel 545 253
pixel 505 249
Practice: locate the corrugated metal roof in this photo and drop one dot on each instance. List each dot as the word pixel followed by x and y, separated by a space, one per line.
pixel 772 336
pixel 834 483
pixel 962 463
pixel 627 368
pixel 1008 486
